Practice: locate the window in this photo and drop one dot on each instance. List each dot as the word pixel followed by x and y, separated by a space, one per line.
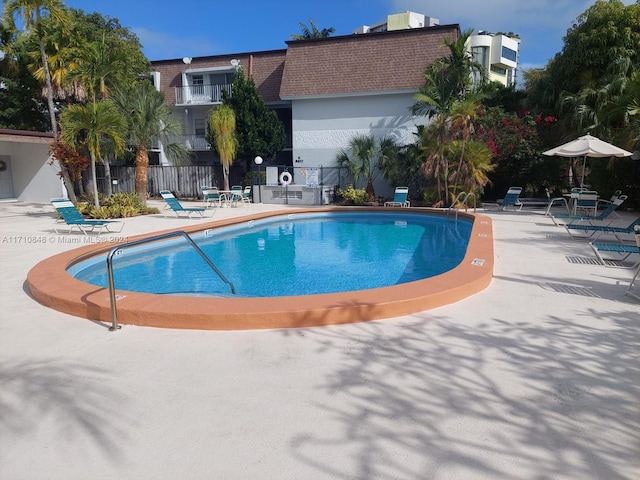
pixel 509 54
pixel 200 127
pixel 498 70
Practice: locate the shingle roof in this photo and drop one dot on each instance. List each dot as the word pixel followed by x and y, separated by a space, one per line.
pixel 333 66
pixel 363 63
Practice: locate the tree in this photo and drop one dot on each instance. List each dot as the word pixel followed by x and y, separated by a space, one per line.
pixel 148 118
pixel 222 125
pixel 92 124
pixel 311 31
pixel 20 105
pixel 364 156
pixel 31 12
pixel 259 130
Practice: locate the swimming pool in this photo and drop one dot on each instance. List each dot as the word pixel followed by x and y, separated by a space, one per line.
pixel 305 254
pixel 50 283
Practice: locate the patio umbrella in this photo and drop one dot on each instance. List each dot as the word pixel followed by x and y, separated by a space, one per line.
pixel 587 146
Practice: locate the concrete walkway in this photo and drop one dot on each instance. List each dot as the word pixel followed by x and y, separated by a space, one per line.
pixel 537 377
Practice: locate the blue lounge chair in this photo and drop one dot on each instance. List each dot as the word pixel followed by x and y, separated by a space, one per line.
pixel 399 198
pixel 175 206
pixel 566 219
pixel 74 219
pixel 599 230
pixel 623 249
pixel 511 199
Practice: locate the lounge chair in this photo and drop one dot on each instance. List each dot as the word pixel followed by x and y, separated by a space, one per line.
pixel 399 198
pixel 605 203
pixel 511 199
pixel 623 249
pixel 553 200
pixel 566 219
pixel 635 276
pixel 211 196
pixel 599 230
pixel 74 219
pixel 175 206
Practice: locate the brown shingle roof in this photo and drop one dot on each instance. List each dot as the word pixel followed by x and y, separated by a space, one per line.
pixel 373 62
pixel 344 65
pixel 266 68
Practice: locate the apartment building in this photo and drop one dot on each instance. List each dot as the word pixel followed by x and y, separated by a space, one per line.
pixel 324 90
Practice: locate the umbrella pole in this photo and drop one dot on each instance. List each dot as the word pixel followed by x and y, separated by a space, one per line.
pixel 584 167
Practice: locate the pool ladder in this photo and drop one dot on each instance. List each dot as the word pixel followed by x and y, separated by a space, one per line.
pixel 462 200
pixel 115 251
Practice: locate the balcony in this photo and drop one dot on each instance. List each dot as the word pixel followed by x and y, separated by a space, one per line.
pixel 201 94
pixel 196 143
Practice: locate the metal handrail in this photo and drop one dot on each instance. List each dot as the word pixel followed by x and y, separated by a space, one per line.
pixel 462 199
pixel 118 250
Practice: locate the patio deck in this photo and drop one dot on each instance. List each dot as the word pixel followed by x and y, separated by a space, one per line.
pixel 535 377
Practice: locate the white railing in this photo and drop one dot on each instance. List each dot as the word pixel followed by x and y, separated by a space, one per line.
pixel 201 94
pixel 195 143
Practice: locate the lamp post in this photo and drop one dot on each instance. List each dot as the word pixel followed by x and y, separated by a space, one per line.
pixel 258 162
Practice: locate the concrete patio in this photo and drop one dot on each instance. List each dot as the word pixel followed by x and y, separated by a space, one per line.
pixel 536 377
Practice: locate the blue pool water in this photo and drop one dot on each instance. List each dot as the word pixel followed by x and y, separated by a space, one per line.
pixel 305 254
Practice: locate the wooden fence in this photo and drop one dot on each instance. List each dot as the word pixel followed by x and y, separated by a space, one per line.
pixel 184 181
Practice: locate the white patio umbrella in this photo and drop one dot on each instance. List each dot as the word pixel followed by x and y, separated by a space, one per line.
pixel 587 146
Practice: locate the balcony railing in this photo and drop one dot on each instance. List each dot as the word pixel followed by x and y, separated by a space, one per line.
pixel 195 143
pixel 201 94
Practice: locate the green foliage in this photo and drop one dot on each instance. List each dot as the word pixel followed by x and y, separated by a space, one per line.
pixel 259 130
pixel 118 205
pixel 353 196
pixel 514 142
pixel 311 31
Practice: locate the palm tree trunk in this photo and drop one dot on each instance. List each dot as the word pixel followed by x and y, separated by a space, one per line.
pixel 66 179
pixel 96 200
pixel 142 171
pixel 107 176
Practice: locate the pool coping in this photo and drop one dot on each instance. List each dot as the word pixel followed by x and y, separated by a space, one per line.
pixel 51 285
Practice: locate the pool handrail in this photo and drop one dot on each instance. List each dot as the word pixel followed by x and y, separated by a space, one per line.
pixel 117 250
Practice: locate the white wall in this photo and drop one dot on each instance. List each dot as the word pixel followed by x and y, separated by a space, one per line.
pixel 33 179
pixel 321 127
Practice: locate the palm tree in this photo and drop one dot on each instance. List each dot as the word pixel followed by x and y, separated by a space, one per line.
pixel 311 31
pixel 434 149
pixel 148 119
pixel 222 124
pixel 92 124
pixel 97 68
pixel 462 116
pixel 366 158
pixel 31 12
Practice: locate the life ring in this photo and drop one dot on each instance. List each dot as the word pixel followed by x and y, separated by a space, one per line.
pixel 3 165
pixel 285 178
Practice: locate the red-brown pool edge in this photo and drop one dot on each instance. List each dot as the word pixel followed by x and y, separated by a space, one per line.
pixel 51 285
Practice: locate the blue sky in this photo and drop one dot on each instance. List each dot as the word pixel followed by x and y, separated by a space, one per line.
pixel 192 28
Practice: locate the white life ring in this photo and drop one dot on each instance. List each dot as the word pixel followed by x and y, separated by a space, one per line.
pixel 285 178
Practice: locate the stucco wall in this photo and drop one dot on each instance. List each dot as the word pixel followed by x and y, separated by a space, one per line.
pixel 321 127
pixel 33 179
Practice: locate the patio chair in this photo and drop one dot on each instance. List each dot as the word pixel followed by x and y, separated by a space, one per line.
pixel 246 195
pixel 236 195
pixel 175 206
pixel 623 249
pixel 399 198
pixel 587 202
pixel 74 219
pixel 599 230
pixel 560 219
pixel 212 196
pixel 511 199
